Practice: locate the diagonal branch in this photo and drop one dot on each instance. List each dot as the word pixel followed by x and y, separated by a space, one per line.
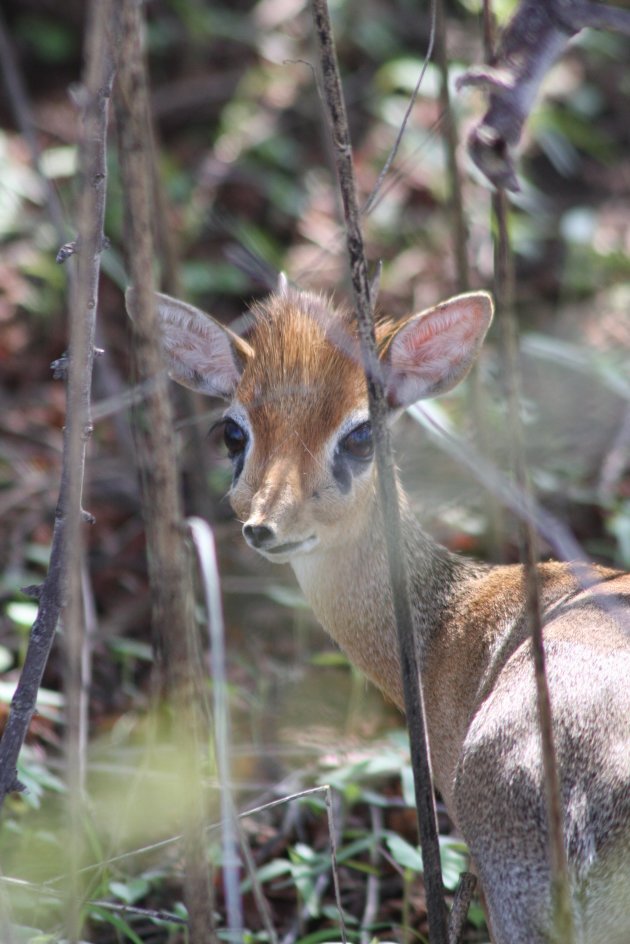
pixel 538 33
pixel 414 704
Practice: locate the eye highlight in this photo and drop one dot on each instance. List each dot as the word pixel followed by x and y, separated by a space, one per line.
pixel 358 443
pixel 234 437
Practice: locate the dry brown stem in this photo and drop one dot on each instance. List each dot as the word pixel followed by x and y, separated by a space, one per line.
pixel 168 555
pixel 414 704
pixel 461 904
pixel 504 291
pixel 63 581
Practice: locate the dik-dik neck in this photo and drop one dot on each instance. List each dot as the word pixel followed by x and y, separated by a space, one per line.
pixel 348 588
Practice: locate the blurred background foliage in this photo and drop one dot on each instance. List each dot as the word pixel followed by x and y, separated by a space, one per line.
pixel 246 188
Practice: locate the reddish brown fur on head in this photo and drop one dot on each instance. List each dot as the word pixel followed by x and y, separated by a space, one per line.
pixel 298 427
pixel 306 373
pixel 304 380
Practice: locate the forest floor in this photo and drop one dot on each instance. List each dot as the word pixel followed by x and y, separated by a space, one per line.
pixel 248 190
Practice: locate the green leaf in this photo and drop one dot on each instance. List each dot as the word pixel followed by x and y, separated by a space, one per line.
pixel 327 936
pixel 408 786
pixel 22 934
pixel 131 648
pixel 45 697
pixel 111 917
pixel 22 613
pixel 6 659
pixel 59 162
pixel 286 596
pixel 330 658
pixel 267 872
pixel 454 861
pixel 403 853
pixel 130 891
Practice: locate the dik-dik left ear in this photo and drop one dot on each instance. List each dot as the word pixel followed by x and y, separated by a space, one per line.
pixel 432 351
pixel 201 353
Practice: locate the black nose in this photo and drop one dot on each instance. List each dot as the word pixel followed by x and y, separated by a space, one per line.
pixel 258 534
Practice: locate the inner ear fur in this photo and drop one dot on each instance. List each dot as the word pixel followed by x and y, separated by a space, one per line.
pixel 201 353
pixel 432 351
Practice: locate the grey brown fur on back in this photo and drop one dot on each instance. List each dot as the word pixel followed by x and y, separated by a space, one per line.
pixel 500 771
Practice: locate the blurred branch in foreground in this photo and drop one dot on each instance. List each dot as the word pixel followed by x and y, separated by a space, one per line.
pixel 169 560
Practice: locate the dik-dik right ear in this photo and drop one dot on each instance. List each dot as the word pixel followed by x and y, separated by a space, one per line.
pixel 433 351
pixel 201 353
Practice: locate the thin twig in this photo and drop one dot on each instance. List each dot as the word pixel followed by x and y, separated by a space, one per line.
pixel 461 904
pixel 372 890
pixel 100 43
pixel 68 515
pixel 261 902
pixel 462 268
pixel 369 203
pixel 43 891
pixel 332 832
pixel 206 554
pixel 449 134
pixel 172 840
pixel 504 290
pixel 414 704
pixel 552 529
pixel 561 895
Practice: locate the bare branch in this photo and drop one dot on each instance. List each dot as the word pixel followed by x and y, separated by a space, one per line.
pixel 508 339
pixel 414 704
pixel 504 276
pixel 461 904
pixel 68 516
pixel 169 560
pixel 535 37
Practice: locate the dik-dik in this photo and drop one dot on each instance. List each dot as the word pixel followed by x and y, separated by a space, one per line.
pixel 298 435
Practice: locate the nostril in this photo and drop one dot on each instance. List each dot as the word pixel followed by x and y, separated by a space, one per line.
pixel 258 534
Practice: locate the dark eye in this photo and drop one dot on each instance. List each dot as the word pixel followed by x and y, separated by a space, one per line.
pixel 234 437
pixel 358 444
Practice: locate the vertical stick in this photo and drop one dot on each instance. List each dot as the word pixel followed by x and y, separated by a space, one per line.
pixel 97 85
pixel 458 219
pixel 414 704
pixel 561 895
pixel 169 561
pixel 203 539
pixel 462 269
pixel 98 77
pixel 562 916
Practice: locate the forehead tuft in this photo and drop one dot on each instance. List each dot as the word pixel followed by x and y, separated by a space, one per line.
pixel 303 344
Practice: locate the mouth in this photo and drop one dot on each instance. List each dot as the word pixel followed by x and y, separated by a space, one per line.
pixel 289 548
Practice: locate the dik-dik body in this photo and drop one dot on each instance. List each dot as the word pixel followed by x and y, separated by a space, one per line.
pixel 304 486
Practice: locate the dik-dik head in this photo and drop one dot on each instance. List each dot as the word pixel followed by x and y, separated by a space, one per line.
pixel 297 428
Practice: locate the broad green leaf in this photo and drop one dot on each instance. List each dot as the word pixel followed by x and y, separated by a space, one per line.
pixel 22 613
pixel 405 854
pixel 131 891
pixel 267 872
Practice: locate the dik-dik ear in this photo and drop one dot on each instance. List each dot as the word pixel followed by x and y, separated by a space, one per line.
pixel 432 351
pixel 201 353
